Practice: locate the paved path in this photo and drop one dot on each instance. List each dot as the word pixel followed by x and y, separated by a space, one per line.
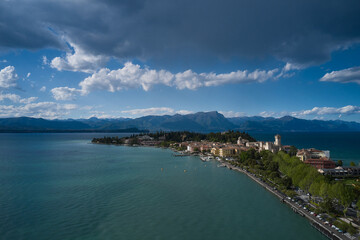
pixel 334 234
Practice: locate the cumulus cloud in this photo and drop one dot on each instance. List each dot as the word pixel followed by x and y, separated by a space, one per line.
pixel 343 76
pixel 78 61
pixel 8 77
pixel 10 96
pixel 346 110
pixel 43 89
pixel 16 98
pixel 158 111
pixel 231 114
pixel 133 76
pixel 49 110
pixel 164 30
pixel 65 93
pixel 269 114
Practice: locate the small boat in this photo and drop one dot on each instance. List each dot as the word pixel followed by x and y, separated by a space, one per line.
pixel 205 159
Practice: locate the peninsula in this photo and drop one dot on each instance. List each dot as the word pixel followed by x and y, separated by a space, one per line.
pixel 323 191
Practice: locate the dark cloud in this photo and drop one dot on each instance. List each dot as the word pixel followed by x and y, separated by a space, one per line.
pixel 303 32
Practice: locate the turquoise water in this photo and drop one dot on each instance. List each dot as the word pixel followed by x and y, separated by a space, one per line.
pixel 59 186
pixel 342 146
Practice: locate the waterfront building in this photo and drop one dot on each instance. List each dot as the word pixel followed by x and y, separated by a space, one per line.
pixel 341 172
pixel 145 138
pixel 252 145
pixel 215 151
pixel 204 148
pixel 312 153
pixel 286 148
pixel 226 152
pixel 323 163
pixel 269 146
pixel 242 142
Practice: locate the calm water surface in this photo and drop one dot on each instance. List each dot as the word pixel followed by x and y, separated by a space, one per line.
pixel 342 146
pixel 59 186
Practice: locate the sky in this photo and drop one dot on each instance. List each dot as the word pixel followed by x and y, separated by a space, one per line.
pixel 131 58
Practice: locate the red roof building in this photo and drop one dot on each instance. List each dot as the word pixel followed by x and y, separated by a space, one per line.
pixel 321 163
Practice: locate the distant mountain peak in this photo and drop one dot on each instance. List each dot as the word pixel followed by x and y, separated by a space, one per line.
pixel 212 121
pixel 287 118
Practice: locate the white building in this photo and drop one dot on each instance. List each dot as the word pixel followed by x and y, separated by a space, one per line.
pixel 269 146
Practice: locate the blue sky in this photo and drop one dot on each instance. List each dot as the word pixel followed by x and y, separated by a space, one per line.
pixel 77 59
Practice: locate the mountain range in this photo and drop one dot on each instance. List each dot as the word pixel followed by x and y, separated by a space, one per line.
pixel 199 122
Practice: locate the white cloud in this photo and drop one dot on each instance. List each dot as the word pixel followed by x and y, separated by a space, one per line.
pixel 288 70
pixel 16 98
pixel 28 100
pixel 8 77
pixel 267 114
pixel 101 115
pixel 3 61
pixel 45 61
pixel 130 76
pixel 291 66
pixel 65 93
pixel 49 110
pixel 157 111
pixel 346 110
pixel 343 76
pixel 78 61
pixel 43 89
pixel 184 112
pixel 133 76
pixel 231 114
pixel 28 74
pixel 149 111
pixel 10 96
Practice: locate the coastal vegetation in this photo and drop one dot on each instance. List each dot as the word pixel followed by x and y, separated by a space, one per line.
pixel 287 173
pixel 165 138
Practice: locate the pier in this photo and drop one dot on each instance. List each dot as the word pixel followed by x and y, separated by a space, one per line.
pixel 181 155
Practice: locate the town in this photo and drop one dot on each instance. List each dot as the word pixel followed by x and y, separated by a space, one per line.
pixel 313 185
pixel 320 159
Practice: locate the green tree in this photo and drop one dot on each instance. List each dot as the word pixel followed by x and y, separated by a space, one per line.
pixel 358 208
pixel 344 194
pixel 134 141
pixel 327 205
pixel 352 164
pixel 293 151
pixel 273 166
pixel 286 181
pixel 339 162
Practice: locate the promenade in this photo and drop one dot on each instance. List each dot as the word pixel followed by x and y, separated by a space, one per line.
pixel 316 223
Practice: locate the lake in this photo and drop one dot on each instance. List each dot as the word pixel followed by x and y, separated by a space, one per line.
pixel 60 186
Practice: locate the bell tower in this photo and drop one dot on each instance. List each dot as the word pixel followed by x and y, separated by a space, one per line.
pixel 277 140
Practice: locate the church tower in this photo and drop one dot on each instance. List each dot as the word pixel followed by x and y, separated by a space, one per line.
pixel 277 140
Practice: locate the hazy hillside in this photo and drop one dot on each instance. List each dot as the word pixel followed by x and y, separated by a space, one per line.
pixel 200 122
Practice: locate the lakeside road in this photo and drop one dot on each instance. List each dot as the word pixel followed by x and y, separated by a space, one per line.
pixel 318 224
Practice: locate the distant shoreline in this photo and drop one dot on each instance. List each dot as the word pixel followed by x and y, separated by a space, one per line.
pixel 76 131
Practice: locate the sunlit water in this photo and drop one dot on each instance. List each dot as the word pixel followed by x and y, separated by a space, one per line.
pixel 60 186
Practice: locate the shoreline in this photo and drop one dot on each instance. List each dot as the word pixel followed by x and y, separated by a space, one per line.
pixel 314 222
